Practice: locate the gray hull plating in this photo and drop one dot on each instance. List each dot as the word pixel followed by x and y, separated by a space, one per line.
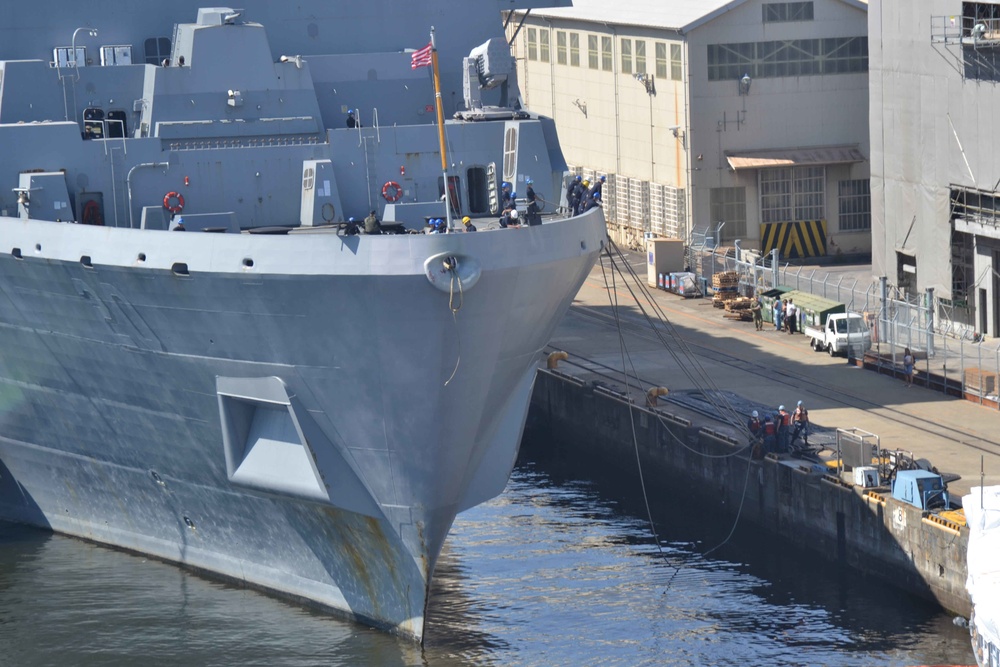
pixel 117 374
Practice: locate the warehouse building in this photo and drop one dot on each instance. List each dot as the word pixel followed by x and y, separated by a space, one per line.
pixel 740 120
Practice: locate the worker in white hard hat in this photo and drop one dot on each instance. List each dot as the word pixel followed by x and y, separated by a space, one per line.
pixel 756 428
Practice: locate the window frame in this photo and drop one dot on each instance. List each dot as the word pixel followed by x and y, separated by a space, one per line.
pixel 593 52
pixel 531 42
pixel 661 60
pixel 676 62
pixel 607 53
pixel 543 45
pixel 854 208
pixel 625 46
pixel 574 49
pixel 561 50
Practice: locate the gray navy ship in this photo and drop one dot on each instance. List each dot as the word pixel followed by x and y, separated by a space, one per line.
pixel 269 396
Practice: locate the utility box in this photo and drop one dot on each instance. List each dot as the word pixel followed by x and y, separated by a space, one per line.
pixel 866 477
pixel 663 255
pixel 921 488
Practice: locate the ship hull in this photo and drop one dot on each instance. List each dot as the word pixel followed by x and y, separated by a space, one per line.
pixel 308 422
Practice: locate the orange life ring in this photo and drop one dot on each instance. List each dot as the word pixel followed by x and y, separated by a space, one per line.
pixel 392 191
pixel 173 202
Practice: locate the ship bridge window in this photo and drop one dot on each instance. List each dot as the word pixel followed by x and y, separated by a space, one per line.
pixel 157 50
pixel 478 185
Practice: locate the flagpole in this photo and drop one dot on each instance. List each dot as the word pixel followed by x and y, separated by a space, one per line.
pixel 440 123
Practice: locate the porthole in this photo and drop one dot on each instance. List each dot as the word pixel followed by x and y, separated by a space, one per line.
pixel 247 262
pixel 85 260
pixel 180 269
pixel 141 257
pixel 16 252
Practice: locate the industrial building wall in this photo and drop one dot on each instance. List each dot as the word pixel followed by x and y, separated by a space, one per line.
pixel 611 119
pixel 933 120
pixel 777 112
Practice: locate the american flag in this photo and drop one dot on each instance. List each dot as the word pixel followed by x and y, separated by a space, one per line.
pixel 421 57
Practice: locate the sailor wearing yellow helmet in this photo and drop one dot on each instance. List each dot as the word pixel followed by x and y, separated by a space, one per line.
pixel 469 227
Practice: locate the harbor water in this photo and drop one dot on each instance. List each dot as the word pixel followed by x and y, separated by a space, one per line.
pixel 562 569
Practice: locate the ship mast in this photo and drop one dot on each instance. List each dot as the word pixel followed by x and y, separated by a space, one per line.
pixel 440 123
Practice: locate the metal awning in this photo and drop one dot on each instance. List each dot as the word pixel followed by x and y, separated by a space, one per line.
pixel 794 157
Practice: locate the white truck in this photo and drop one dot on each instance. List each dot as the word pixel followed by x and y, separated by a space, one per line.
pixel 840 331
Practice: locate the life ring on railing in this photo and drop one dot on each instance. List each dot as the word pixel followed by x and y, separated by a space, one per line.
pixel 392 191
pixel 173 202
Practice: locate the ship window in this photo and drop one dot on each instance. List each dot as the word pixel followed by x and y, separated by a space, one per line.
pixel 157 50
pixel 308 179
pixel 509 153
pixel 116 125
pixel 93 123
pixel 574 49
pixel 479 198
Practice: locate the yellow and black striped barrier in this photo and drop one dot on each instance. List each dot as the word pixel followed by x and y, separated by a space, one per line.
pixel 806 238
pixel 942 523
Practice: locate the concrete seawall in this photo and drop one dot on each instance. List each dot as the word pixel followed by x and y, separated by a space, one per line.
pixel 792 499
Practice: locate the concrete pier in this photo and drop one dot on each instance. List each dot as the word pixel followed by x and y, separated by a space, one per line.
pixel 583 403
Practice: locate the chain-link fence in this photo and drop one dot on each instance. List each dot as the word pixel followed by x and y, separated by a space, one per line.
pixel 948 356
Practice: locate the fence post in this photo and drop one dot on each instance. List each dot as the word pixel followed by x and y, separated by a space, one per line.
pixel 774 266
pixel 930 323
pixel 883 313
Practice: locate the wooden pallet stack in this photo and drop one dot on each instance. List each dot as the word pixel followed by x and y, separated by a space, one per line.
pixel 739 309
pixel 725 286
pixel 983 383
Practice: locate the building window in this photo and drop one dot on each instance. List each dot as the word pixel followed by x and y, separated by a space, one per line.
pixel 543 45
pixel 640 56
pixel 574 49
pixel 592 55
pixel 532 44
pixel 607 61
pixel 626 56
pixel 729 205
pixel 782 12
pixel 791 194
pixel 795 57
pixel 676 68
pixel 561 47
pixel 855 205
pixel 661 60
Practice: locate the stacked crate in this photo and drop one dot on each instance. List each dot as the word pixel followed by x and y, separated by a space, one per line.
pixel 980 382
pixel 725 286
pixel 739 309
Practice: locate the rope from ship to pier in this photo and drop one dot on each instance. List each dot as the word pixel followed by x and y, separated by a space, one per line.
pixel 698 376
pixel 451 265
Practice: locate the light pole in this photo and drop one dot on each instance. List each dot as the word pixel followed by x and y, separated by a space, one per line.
pixel 76 66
